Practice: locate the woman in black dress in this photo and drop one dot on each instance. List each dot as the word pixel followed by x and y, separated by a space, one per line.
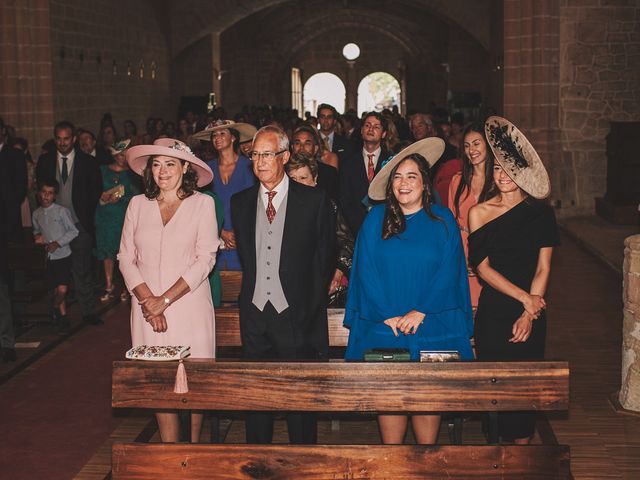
pixel 510 246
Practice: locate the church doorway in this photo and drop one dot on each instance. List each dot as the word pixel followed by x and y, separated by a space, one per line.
pixel 323 87
pixel 377 91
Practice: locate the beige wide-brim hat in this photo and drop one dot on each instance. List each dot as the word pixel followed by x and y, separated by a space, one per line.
pixel 430 148
pixel 246 130
pixel 119 147
pixel 138 156
pixel 517 157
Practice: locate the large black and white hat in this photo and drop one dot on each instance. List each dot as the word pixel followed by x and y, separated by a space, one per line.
pixel 517 157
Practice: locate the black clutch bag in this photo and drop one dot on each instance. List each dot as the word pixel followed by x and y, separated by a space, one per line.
pixel 387 355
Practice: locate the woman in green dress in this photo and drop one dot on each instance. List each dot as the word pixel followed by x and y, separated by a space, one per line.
pixel 117 189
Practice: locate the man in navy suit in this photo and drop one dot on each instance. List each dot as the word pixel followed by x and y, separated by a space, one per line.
pixel 80 188
pixel 285 238
pixel 358 171
pixel 327 118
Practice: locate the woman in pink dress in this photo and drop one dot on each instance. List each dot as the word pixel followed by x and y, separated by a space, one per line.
pixel 168 247
pixel 473 185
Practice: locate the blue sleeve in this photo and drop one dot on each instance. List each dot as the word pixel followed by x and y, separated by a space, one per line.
pixel 449 289
pixel 366 298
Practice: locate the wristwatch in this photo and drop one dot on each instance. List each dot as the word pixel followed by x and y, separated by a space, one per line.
pixel 167 300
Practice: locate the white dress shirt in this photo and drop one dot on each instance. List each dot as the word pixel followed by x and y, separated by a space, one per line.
pixel 376 157
pixel 282 188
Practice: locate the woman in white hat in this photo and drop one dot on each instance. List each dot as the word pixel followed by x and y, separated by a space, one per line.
pixel 510 245
pixel 118 187
pixel 168 247
pixel 232 172
pixel 408 286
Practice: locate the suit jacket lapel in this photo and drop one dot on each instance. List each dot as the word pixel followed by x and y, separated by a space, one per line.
pixel 288 235
pixel 249 217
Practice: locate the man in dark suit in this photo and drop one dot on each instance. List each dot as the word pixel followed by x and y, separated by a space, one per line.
pixel 284 236
pixel 80 188
pixel 357 173
pixel 13 188
pixel 327 119
pixel 87 143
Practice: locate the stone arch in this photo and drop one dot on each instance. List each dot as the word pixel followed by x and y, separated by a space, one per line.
pixel 205 17
pixel 338 100
pixel 363 103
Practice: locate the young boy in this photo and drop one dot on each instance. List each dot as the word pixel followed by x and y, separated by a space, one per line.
pixel 53 227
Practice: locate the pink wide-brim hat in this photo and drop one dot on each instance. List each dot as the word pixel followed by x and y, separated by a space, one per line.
pixel 138 156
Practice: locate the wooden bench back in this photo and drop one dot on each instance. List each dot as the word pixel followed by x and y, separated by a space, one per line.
pixel 230 286
pixel 338 386
pixel 318 462
pixel 228 327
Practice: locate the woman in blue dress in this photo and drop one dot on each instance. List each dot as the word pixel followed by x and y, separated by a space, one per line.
pixel 408 286
pixel 232 173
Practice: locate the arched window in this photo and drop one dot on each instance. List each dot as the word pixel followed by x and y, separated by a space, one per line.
pixel 323 87
pixel 377 91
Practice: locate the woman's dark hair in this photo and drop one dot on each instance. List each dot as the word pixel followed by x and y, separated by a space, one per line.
pixel 236 139
pixel 488 189
pixel 394 220
pixel 189 181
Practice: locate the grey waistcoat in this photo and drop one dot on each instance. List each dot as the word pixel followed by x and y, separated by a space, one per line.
pixel 64 196
pixel 268 246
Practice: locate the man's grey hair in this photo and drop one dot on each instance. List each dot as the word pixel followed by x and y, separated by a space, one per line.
pixel 283 140
pixel 424 117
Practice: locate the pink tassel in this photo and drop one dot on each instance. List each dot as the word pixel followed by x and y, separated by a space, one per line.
pixel 181 385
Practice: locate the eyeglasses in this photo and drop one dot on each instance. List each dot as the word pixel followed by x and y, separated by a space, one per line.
pixel 255 156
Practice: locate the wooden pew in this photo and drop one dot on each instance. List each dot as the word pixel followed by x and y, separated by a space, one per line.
pixel 228 327
pixel 340 386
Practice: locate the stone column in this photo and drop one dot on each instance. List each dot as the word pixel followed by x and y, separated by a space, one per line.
pixel 630 390
pixel 531 76
pixel 26 79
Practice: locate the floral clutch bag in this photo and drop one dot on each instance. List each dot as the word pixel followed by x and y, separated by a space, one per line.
pixel 158 354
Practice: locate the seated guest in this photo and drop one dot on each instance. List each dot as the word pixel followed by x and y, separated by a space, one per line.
pixel 54 228
pixel 231 174
pixel 306 139
pixel 408 286
pixel 303 168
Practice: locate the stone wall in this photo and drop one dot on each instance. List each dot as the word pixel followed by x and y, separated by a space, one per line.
pixel 26 93
pixel 599 82
pixel 630 391
pixel 98 49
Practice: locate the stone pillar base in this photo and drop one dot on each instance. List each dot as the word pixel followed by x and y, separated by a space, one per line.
pixel 629 395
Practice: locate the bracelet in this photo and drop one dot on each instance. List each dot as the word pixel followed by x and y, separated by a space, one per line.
pixel 167 300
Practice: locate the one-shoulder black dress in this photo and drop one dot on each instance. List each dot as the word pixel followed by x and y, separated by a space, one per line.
pixel 512 242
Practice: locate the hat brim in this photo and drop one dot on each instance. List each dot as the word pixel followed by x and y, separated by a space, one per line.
pixel 138 157
pixel 523 165
pixel 430 148
pixel 246 131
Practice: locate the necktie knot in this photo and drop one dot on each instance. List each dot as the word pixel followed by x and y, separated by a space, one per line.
pixel 271 210
pixel 371 170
